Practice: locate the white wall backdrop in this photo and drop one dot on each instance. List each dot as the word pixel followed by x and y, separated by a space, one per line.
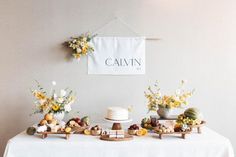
pixel 198 43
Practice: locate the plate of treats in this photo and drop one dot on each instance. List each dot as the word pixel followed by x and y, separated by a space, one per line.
pixel 149 123
pixel 78 125
pixel 170 128
pixel 50 125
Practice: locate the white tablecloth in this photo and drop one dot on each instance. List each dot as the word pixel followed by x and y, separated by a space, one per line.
pixel 207 144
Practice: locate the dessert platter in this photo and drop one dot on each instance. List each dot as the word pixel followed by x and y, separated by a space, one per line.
pixel 193 118
pixel 116 135
pixel 51 126
pixel 78 125
pixel 163 129
pixel 183 125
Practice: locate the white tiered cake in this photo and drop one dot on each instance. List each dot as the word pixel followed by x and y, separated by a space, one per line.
pixel 117 113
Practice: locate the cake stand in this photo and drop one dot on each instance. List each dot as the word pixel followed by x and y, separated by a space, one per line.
pixel 117 123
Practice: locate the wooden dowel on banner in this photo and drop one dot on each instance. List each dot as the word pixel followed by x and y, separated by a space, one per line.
pixel 153 39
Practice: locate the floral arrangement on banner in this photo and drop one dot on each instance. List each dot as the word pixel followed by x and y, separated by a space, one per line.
pixel 81 45
pixel 156 100
pixel 52 102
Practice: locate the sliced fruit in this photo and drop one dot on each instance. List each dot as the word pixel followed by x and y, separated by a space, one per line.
pixel 68 129
pixel 144 131
pixel 87 132
pixel 139 133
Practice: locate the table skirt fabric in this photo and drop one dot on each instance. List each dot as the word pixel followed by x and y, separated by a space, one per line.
pixel 207 144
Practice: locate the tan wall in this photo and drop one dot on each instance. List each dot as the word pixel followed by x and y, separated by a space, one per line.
pixel 198 44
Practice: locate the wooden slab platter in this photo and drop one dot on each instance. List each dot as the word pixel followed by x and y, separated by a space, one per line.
pixel 79 130
pixel 198 127
pixel 107 138
pixel 183 134
pixel 45 134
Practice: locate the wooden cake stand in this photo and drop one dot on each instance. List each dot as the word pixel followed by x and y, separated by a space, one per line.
pixel 117 123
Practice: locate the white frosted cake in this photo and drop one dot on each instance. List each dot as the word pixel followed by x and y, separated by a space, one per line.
pixel 117 113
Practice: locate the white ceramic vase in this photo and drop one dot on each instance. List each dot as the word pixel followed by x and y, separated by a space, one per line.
pixel 59 116
pixel 164 112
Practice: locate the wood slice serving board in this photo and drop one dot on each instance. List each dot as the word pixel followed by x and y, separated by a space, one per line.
pixel 172 133
pixel 107 138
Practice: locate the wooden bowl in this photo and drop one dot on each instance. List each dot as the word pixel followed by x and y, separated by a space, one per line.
pixel 96 132
pixel 132 132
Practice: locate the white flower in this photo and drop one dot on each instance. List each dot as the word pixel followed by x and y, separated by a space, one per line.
pixel 60 100
pixel 78 50
pixel 177 92
pixel 54 95
pixel 54 83
pixel 67 108
pixel 42 128
pixel 42 101
pixel 62 124
pixel 71 102
pixel 62 93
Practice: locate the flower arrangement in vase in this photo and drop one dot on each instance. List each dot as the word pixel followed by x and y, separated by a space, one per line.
pixel 53 103
pixel 163 105
pixel 81 45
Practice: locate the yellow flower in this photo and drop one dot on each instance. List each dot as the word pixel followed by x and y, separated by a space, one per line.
pixel 76 55
pixel 55 107
pixel 39 95
pixel 177 103
pixel 71 99
pixel 84 50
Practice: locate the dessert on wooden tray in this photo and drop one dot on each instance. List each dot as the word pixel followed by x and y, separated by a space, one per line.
pixel 78 124
pixel 50 125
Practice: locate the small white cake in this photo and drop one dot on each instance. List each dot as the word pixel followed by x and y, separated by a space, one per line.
pixel 117 113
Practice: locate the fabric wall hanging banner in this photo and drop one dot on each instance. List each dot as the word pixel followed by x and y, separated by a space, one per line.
pixel 117 56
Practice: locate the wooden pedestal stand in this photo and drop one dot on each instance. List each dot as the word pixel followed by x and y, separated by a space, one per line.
pixel 198 127
pixel 117 123
pixel 116 126
pixel 183 134
pixel 45 134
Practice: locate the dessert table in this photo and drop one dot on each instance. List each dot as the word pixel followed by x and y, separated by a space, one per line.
pixel 207 144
